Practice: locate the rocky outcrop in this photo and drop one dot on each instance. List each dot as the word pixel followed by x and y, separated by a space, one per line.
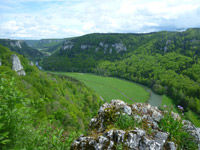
pixel 119 47
pixel 83 47
pixel 16 65
pixel 188 126
pixel 0 62
pixel 67 45
pixel 16 44
pixel 103 136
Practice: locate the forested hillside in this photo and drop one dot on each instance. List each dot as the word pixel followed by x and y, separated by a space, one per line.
pixel 168 62
pixel 39 110
pixel 22 48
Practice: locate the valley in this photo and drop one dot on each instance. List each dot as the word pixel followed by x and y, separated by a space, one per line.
pixel 79 74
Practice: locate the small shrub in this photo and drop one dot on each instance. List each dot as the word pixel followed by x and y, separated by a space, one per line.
pixel 119 147
pixel 125 122
pixel 177 134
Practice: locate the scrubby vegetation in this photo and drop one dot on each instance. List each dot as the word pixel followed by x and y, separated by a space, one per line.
pixel 177 133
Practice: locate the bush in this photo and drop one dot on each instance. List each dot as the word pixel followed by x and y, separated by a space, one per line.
pixel 125 122
pixel 177 133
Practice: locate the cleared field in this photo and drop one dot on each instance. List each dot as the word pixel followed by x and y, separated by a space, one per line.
pixel 112 88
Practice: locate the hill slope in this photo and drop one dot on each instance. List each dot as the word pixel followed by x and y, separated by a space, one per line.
pixel 22 48
pixel 39 110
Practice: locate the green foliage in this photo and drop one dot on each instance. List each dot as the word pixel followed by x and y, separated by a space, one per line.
pixel 195 119
pixel 177 133
pixel 11 107
pixel 125 122
pixel 119 147
pixel 50 111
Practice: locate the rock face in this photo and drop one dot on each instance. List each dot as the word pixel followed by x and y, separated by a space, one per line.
pixel 67 45
pixel 16 65
pixel 103 137
pixel 105 47
pixel 16 44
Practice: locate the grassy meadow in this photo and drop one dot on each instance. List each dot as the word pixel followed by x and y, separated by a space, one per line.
pixel 112 88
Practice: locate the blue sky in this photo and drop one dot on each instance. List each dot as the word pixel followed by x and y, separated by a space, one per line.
pixel 37 19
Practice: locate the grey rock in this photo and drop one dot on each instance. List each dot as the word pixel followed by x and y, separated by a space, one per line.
pixel 101 144
pixel 96 50
pixel 198 132
pixel 83 47
pixel 127 110
pixel 155 125
pixel 16 44
pixel 119 47
pixel 93 121
pixel 119 136
pixel 0 62
pixel 109 134
pixel 156 116
pixel 133 141
pixel 138 118
pixel 134 107
pixel 171 146
pixel 67 45
pixel 110 145
pixel 161 137
pixel 148 144
pixel 103 107
pixel 31 63
pixel 118 104
pixel 21 73
pixel 101 44
pixel 16 65
pixel 92 142
pixel 110 50
pixel 140 132
pixel 192 130
pixel 165 49
pixel 175 116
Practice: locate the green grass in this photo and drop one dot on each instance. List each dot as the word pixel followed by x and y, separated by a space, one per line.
pixel 194 118
pixel 112 88
pixel 190 115
pixel 169 103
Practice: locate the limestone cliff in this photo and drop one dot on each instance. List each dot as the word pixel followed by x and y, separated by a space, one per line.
pixel 144 133
pixel 16 65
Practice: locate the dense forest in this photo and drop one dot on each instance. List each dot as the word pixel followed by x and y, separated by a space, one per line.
pixel 168 62
pixel 40 110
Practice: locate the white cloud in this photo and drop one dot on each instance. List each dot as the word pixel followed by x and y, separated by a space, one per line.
pixel 65 18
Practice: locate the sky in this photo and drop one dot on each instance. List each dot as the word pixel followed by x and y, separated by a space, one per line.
pixel 39 19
